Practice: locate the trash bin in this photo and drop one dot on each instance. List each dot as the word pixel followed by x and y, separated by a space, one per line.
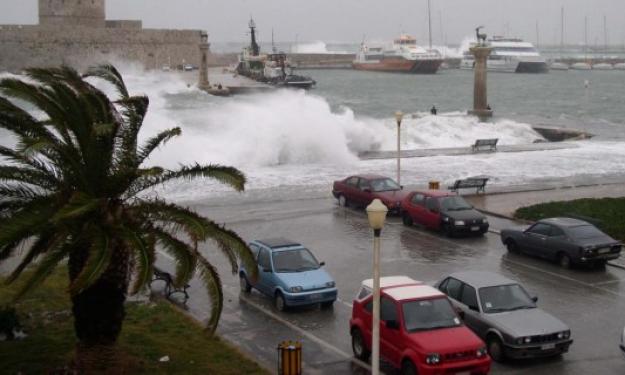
pixel 290 358
pixel 435 185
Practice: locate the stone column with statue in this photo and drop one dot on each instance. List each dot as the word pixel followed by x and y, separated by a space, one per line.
pixel 480 51
pixel 204 46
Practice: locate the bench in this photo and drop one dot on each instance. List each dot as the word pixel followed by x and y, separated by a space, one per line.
pixel 170 288
pixel 479 144
pixel 472 182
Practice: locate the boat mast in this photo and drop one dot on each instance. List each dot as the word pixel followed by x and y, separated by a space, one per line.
pixel 254 45
pixel 537 35
pixel 561 29
pixel 586 38
pixel 430 24
pixel 605 33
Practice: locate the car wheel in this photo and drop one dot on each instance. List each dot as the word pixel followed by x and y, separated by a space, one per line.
pixel 245 286
pixel 408 368
pixel 406 219
pixel 512 246
pixel 564 261
pixel 448 230
pixel 358 345
pixel 495 348
pixel 343 201
pixel 279 302
pixel 327 305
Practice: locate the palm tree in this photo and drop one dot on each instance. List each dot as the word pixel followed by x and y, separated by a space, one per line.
pixel 71 188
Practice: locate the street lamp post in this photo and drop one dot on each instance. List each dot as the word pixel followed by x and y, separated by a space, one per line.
pixel 398 117
pixel 376 212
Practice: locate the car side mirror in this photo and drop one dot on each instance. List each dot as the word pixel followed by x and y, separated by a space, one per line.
pixel 535 299
pixel 392 324
pixel 401 187
pixel 460 313
pixel 322 264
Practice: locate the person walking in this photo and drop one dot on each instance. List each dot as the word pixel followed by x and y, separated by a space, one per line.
pixel 433 110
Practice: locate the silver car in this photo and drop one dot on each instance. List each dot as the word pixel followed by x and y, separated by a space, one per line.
pixel 502 313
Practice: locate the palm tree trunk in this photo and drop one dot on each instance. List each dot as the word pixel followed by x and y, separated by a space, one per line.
pixel 99 310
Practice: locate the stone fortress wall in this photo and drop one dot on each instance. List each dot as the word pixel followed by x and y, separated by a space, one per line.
pixel 76 32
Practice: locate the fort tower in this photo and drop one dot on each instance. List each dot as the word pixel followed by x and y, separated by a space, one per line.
pixel 68 13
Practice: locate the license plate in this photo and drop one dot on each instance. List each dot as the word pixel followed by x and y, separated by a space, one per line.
pixel 464 373
pixel 475 228
pixel 604 250
pixel 316 296
pixel 548 347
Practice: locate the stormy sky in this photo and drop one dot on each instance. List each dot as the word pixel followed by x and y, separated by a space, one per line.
pixel 350 20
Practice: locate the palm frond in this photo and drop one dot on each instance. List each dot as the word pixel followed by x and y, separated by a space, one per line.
pixel 154 142
pixel 110 74
pixel 28 176
pixel 42 244
pixel 144 249
pixel 208 274
pixel 43 269
pixel 79 204
pixel 100 254
pixel 32 218
pixel 182 254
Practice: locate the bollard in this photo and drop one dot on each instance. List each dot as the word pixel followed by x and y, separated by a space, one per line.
pixel 290 358
pixel 434 185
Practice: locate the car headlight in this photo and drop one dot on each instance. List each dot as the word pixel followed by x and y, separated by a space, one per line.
pixel 564 334
pixel 484 221
pixel 459 222
pixel 330 284
pixel 445 219
pixel 433 359
pixel 523 340
pixel 481 352
pixel 296 289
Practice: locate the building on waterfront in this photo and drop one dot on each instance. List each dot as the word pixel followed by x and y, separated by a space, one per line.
pixel 76 32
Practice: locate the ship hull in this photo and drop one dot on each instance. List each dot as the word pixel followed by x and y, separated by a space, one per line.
pixel 400 66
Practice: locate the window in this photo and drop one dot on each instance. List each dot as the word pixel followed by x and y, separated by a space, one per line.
pixel 452 288
pixel 431 204
pixel 555 232
pixel 501 298
pixel 364 293
pixel 363 184
pixel 369 306
pixel 540 228
pixel 384 184
pixel 352 181
pixel 388 309
pixel 418 199
pixel 469 298
pixel 585 231
pixel 254 249
pixel 263 259
pixel 443 286
pixel 296 260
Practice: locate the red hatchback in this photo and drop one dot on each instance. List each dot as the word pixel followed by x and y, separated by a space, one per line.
pixel 363 189
pixel 420 331
pixel 444 211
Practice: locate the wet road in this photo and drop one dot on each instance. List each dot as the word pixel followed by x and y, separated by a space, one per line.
pixel 591 302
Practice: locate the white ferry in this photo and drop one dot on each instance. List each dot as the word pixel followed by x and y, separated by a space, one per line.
pixel 510 55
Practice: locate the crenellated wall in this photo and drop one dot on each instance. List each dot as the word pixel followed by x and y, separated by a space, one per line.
pixel 87 13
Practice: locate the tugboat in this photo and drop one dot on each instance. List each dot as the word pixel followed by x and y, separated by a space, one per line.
pixel 274 68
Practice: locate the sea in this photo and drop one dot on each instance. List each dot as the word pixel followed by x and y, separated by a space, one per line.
pixel 292 144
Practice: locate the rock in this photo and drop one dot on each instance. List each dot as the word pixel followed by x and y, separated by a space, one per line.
pixel 164 359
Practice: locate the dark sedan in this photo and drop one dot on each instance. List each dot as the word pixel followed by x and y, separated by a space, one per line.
pixel 503 314
pixel 363 189
pixel 565 240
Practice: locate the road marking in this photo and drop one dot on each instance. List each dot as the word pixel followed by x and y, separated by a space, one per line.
pixel 302 331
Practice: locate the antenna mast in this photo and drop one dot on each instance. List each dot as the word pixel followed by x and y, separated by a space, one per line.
pixel 430 24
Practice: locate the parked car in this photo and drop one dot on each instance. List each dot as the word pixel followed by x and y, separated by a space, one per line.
pixel 565 240
pixel 290 274
pixel 503 314
pixel 420 331
pixel 361 190
pixel 444 211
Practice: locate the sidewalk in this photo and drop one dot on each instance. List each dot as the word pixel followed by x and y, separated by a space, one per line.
pixel 506 203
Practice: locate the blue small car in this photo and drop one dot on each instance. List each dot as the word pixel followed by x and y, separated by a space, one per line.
pixel 290 274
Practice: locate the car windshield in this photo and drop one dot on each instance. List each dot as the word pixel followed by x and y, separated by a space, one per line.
pixel 585 231
pixel 454 203
pixel 429 314
pixel 296 260
pixel 384 184
pixel 502 298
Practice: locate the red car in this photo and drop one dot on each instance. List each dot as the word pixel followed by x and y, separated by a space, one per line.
pixel 363 189
pixel 444 211
pixel 420 331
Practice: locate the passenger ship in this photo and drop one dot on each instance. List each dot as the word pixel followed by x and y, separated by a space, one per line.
pixel 510 55
pixel 403 56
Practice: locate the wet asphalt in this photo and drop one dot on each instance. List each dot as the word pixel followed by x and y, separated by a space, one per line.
pixel 591 302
